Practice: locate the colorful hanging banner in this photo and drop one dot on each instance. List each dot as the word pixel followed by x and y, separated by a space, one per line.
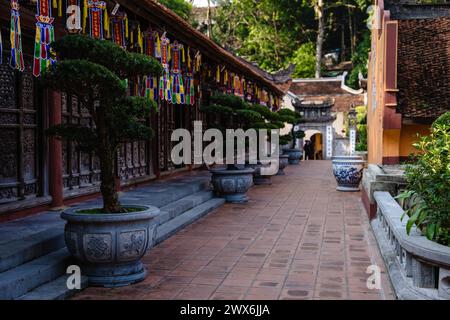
pixel 16 59
pixel 95 9
pixel 44 36
pixel 190 84
pixel 119 22
pixel 176 77
pixel 73 16
pixel 165 90
pixel 150 81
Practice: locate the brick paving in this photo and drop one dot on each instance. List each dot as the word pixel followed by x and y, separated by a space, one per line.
pixel 296 239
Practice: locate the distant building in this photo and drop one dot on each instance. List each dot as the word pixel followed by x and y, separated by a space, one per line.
pixel 324 104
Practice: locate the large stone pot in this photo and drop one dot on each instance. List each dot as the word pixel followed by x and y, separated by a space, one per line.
pixel 348 173
pixel 232 184
pixel 294 155
pixel 109 247
pixel 282 164
pixel 258 178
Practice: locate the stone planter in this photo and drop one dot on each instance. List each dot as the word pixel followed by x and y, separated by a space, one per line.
pixel 282 164
pixel 109 247
pixel 362 154
pixel 348 173
pixel 232 185
pixel 294 155
pixel 258 178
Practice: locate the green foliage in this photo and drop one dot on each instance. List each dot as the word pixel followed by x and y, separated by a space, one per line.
pixel 361 128
pixel 428 190
pixel 360 61
pixel 96 72
pixel 182 8
pixel 304 59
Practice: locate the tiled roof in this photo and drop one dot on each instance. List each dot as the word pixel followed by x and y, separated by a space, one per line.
pixel 423 72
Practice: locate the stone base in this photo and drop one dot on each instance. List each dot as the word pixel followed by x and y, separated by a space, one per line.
pixel 262 180
pixel 348 189
pixel 235 198
pixel 281 173
pixel 295 161
pixel 115 276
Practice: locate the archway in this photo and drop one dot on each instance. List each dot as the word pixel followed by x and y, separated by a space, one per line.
pixel 314 151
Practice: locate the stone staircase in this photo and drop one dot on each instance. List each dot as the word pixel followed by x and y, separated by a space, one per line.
pixel 33 256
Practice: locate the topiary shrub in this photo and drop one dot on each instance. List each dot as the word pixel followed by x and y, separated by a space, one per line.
pixel 428 189
pixel 96 72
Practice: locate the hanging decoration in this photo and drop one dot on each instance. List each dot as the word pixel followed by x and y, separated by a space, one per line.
pixel 73 16
pixel 16 59
pixel 165 91
pixel 44 36
pixel 95 10
pixel 176 76
pixel 190 84
pixel 237 86
pixel 119 29
pixel 151 82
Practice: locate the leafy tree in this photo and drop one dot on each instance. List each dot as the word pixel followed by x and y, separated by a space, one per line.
pixel 96 72
pixel 182 8
pixel 304 59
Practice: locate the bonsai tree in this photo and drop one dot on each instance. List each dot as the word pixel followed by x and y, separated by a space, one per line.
pixel 428 184
pixel 293 118
pixel 97 73
pixel 230 112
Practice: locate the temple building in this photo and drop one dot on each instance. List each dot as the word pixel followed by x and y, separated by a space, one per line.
pixel 409 76
pixel 324 105
pixel 38 172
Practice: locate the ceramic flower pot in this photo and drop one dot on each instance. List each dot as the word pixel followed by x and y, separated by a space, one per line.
pixel 282 164
pixel 348 173
pixel 109 247
pixel 294 155
pixel 232 185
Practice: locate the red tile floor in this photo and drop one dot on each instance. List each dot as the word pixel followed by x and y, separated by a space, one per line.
pixel 296 239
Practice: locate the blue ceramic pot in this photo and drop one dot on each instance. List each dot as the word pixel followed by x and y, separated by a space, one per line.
pixel 232 185
pixel 294 155
pixel 348 173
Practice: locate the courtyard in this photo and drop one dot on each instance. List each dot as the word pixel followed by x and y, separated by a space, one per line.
pixel 296 239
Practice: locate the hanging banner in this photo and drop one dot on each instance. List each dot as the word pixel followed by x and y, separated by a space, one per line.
pixel 119 21
pixel 151 82
pixel 16 59
pixel 73 16
pixel 44 36
pixel 176 77
pixel 190 83
pixel 165 90
pixel 95 8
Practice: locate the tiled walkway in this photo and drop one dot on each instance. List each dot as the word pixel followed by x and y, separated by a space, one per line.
pixel 296 239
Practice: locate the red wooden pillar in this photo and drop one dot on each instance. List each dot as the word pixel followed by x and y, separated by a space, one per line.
pixel 55 149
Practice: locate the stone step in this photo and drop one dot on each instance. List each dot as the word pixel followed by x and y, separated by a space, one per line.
pixel 54 290
pixel 169 228
pixel 176 208
pixel 21 279
pixel 30 247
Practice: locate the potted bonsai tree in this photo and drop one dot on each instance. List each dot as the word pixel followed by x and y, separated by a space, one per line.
pixel 231 112
pixel 293 118
pixel 107 241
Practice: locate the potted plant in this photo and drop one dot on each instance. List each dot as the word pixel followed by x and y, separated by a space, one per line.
pixel 293 118
pixel 230 112
pixel 107 241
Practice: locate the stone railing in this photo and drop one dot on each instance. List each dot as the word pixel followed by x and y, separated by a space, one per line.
pixel 418 267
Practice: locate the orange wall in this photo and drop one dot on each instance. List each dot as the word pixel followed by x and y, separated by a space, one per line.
pixel 409 136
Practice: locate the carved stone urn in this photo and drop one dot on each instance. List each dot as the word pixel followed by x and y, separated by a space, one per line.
pixel 348 171
pixel 109 247
pixel 232 185
pixel 282 164
pixel 294 155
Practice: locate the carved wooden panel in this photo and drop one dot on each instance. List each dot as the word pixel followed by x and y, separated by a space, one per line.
pixel 80 169
pixel 19 130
